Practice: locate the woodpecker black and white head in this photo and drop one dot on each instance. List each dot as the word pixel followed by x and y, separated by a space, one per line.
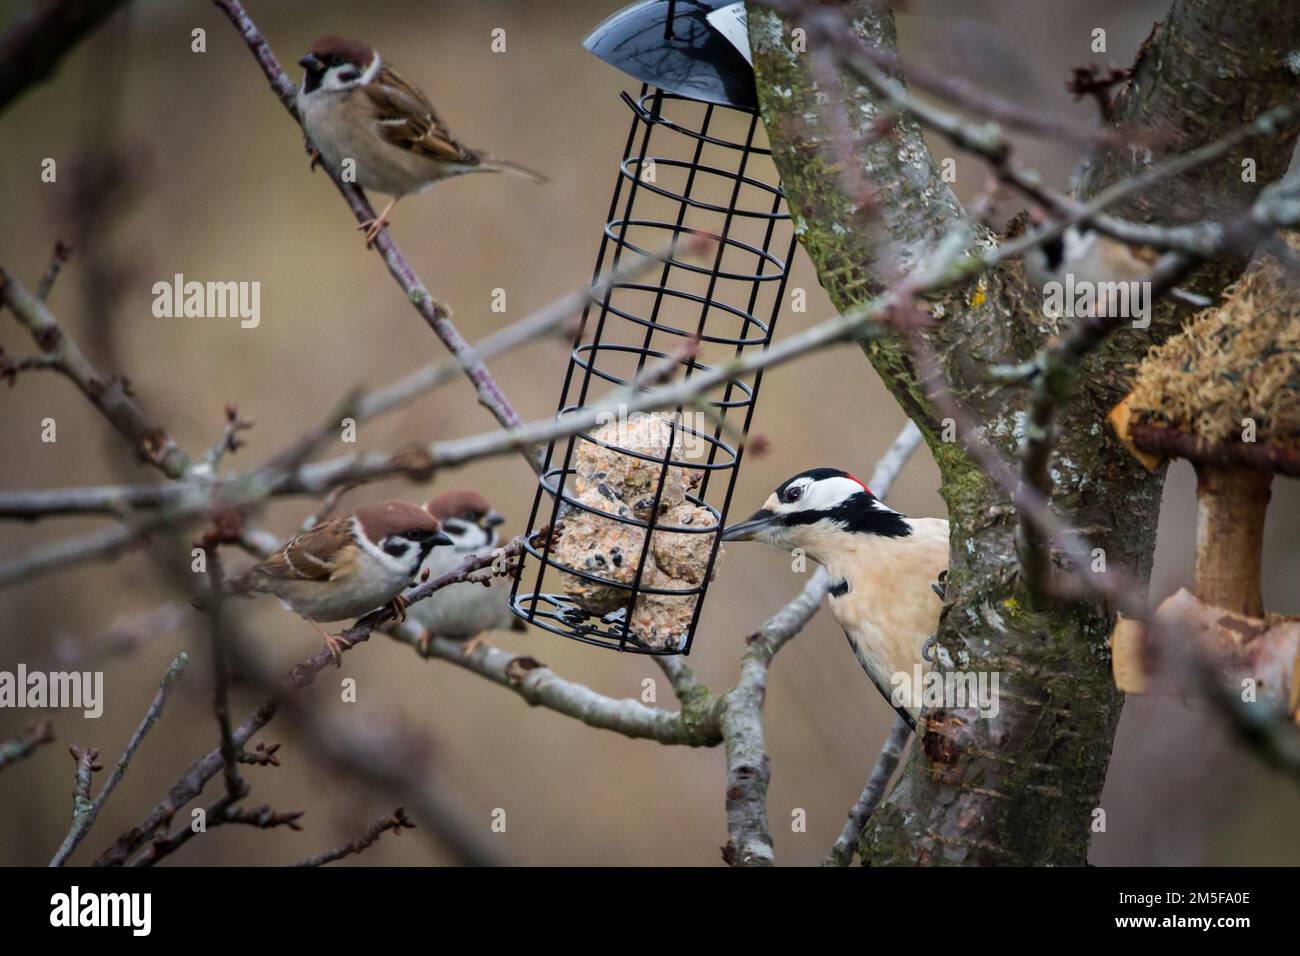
pixel 810 509
pixel 882 566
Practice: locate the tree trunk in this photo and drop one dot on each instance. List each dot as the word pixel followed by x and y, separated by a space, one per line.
pixel 1019 788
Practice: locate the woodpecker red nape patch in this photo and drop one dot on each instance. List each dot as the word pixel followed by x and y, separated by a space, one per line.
pixel 859 481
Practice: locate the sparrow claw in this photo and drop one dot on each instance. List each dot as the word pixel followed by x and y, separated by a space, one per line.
pixel 423 642
pixel 399 605
pixel 337 644
pixel 315 159
pixel 470 646
pixel 373 227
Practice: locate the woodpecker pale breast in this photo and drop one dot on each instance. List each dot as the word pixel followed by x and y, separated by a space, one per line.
pixel 882 567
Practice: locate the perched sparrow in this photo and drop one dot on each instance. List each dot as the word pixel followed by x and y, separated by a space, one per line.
pixel 882 566
pixel 354 107
pixel 464 611
pixel 347 566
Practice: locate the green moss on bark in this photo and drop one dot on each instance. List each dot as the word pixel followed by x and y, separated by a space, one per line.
pixel 1019 788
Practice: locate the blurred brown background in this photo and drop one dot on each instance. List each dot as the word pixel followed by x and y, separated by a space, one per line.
pixel 215 185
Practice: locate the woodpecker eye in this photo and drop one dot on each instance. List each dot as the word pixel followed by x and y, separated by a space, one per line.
pixel 794 494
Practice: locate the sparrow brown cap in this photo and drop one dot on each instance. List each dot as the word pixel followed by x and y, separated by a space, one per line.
pixel 393 517
pixel 347 49
pixel 462 503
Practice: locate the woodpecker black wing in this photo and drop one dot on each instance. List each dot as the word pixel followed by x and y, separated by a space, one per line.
pixel 885 691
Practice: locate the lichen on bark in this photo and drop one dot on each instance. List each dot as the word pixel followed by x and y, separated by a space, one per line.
pixel 1019 788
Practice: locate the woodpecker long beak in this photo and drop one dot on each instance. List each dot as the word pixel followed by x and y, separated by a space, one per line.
pixel 490 520
pixel 746 530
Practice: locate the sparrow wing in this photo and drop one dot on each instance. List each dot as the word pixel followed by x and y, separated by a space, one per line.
pixel 312 556
pixel 406 119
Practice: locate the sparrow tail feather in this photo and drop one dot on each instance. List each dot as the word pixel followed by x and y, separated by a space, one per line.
pixel 494 164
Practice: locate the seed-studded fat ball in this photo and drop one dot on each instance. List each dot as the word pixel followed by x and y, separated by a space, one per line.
pixel 614 483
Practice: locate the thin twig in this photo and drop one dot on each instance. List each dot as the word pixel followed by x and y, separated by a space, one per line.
pixel 236 787
pixel 841 854
pixel 58 259
pixel 110 394
pixel 263 817
pixel 828 26
pixel 204 768
pixel 83 821
pixel 34 44
pixel 397 821
pixel 15 749
pixel 550 319
pixel 431 310
pixel 87 760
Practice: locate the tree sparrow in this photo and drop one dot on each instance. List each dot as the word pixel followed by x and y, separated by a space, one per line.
pixel 347 566
pixel 464 611
pixel 353 107
pixel 883 567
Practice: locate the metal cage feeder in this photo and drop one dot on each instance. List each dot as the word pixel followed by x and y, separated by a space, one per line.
pixel 690 163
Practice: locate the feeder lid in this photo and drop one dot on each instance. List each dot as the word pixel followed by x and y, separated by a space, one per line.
pixel 695 48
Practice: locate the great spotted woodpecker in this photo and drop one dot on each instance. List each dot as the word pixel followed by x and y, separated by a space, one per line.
pixel 882 566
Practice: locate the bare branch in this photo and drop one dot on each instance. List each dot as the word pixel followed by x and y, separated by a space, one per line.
pixel 37 40
pixel 236 788
pixel 15 749
pixel 540 686
pixel 431 310
pixel 111 395
pixel 204 768
pixel 87 760
pixel 551 319
pixel 85 819
pixel 397 822
pixel 229 440
pixel 841 854
pixel 263 755
pixel 58 259
pixel 987 141
pixel 263 817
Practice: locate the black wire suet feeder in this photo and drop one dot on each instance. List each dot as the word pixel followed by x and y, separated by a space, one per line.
pixel 636 501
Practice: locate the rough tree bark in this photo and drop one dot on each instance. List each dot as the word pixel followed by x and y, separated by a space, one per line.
pixel 1019 788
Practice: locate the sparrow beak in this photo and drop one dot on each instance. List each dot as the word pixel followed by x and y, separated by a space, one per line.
pixel 746 530
pixel 311 63
pixel 439 539
pixel 490 520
